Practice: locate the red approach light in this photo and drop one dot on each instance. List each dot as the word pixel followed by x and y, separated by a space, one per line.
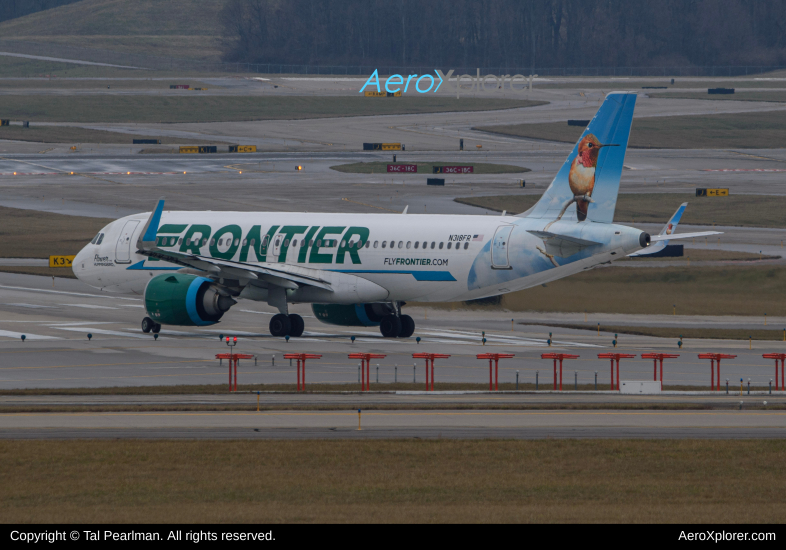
pixel 236 339
pixel 227 339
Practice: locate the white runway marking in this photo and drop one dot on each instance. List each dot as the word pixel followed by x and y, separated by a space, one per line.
pixel 32 306
pixel 49 323
pixel 111 296
pixel 28 336
pixel 91 330
pixel 88 306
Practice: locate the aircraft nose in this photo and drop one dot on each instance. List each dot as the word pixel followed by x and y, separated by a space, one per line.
pixel 79 261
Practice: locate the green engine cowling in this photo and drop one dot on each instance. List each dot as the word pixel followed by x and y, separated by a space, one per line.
pixel 185 300
pixel 353 315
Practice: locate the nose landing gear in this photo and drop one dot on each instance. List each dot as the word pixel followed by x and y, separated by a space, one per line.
pixel 148 325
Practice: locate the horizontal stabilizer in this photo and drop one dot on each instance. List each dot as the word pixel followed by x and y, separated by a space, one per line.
pixel 656 238
pixel 562 246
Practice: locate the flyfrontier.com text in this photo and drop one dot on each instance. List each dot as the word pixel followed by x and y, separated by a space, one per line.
pixel 465 83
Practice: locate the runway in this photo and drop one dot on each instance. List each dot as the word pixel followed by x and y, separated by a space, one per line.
pixel 56 352
pixel 398 424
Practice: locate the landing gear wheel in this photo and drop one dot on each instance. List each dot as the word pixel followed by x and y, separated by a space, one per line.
pixel 280 325
pixel 156 328
pixel 297 325
pixel 147 325
pixel 407 326
pixel 390 326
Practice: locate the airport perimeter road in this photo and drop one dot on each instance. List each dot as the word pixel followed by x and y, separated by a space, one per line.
pixel 398 424
pixel 57 353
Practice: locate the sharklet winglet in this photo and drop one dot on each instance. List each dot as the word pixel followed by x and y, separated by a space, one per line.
pixel 148 235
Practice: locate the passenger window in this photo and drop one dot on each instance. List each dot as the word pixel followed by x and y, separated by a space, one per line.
pixel 384 244
pixel 252 242
pixel 376 243
pixel 286 243
pixel 417 244
pixel 368 243
pixel 432 245
pixel 401 244
pixel 441 245
pixel 449 245
pixel 237 241
pixel 319 244
pixel 466 246
pixel 344 244
pixel 212 242
pixel 265 240
pixel 180 241
pixel 220 242
pixel 409 243
pixel 204 242
pixel 311 242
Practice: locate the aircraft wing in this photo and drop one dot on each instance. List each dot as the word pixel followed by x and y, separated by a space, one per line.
pixel 281 275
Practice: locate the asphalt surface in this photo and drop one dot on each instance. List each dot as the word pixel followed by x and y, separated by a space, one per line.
pixel 56 316
pixel 398 424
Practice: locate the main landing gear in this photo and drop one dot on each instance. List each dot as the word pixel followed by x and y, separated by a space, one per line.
pixel 148 325
pixel 287 325
pixel 397 326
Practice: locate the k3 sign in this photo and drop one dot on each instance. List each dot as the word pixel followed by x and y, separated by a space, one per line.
pixel 427 83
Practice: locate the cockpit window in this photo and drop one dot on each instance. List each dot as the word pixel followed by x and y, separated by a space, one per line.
pixel 95 238
pixel 100 238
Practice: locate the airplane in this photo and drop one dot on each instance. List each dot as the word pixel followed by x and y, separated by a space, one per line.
pixel 669 230
pixel 191 268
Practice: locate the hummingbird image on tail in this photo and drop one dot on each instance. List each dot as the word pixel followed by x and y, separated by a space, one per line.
pixel 581 177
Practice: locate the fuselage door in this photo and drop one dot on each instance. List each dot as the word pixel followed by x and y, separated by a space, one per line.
pixel 123 248
pixel 276 248
pixel 499 247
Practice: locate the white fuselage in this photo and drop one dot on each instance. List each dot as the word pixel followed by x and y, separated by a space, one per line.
pixel 427 258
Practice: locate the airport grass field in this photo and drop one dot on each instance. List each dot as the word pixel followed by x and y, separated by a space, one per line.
pixel 760 130
pixel 661 481
pixel 734 210
pixel 195 108
pixel 74 134
pixel 706 290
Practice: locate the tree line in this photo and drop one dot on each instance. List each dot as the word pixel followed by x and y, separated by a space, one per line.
pixel 11 9
pixel 506 33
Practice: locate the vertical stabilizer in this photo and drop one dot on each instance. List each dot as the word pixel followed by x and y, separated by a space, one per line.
pixel 587 185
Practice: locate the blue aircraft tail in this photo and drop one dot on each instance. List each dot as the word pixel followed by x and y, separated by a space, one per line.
pixel 587 185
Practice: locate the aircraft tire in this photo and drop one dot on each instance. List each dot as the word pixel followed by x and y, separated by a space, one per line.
pixel 407 326
pixel 297 325
pixel 156 328
pixel 280 325
pixel 147 325
pixel 390 326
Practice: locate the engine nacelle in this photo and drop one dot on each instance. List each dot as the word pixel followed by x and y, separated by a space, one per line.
pixel 354 315
pixel 185 300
